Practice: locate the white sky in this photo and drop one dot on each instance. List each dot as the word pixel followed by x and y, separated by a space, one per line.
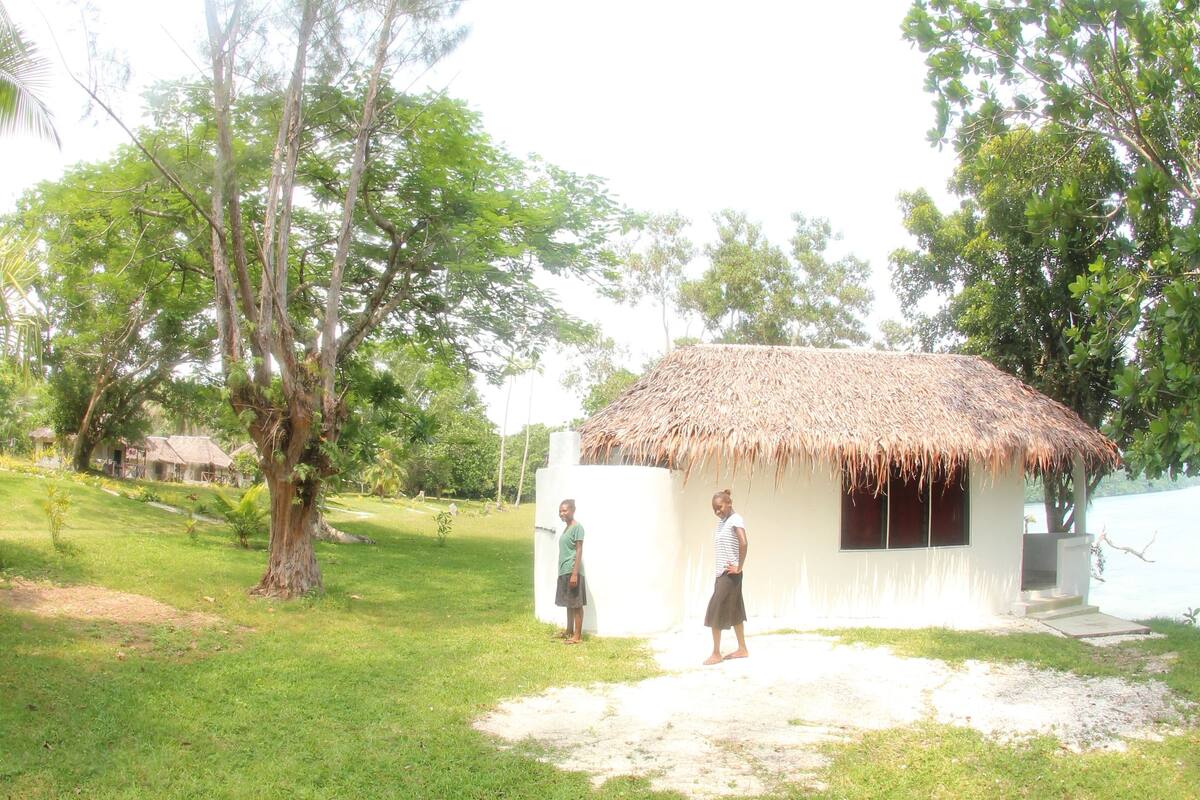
pixel 694 106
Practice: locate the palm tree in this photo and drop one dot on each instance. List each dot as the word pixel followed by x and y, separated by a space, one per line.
pixel 23 74
pixel 21 323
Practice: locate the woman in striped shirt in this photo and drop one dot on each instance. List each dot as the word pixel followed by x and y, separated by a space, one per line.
pixel 726 609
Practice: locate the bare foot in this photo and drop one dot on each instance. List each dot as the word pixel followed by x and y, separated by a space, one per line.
pixel 561 635
pixel 739 653
pixel 576 640
pixel 715 658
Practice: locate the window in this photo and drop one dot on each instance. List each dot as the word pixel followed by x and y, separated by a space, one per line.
pixel 906 513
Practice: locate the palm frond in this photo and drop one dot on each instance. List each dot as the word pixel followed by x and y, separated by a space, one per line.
pixel 24 77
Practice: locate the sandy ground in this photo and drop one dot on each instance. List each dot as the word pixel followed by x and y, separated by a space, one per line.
pixel 98 603
pixel 743 727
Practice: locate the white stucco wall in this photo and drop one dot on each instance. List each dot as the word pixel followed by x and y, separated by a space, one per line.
pixel 796 570
pixel 631 546
pixel 649 561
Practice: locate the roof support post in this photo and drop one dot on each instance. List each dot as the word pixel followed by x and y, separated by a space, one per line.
pixel 1079 485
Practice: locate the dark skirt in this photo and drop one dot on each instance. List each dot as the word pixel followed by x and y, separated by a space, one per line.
pixel 567 597
pixel 726 608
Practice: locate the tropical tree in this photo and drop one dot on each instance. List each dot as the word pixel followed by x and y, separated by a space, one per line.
pixel 349 211
pixel 654 261
pixel 22 324
pixel 1037 209
pixel 753 294
pixel 1124 72
pixel 24 75
pixel 124 290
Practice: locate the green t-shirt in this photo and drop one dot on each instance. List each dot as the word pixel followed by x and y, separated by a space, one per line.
pixel 566 549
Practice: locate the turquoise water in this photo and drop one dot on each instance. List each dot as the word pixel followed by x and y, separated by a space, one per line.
pixel 1132 588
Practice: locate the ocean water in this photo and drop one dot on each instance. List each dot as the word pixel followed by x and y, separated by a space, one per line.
pixel 1132 588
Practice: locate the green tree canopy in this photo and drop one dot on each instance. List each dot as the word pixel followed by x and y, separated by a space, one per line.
pixel 753 294
pixel 124 290
pixel 1038 208
pixel 1125 72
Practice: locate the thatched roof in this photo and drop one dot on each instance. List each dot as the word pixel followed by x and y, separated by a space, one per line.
pixel 158 448
pixel 248 447
pixel 41 435
pixel 199 450
pixel 741 406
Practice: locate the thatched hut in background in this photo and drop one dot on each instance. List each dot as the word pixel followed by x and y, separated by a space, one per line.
pixel 42 439
pixel 874 485
pixel 194 459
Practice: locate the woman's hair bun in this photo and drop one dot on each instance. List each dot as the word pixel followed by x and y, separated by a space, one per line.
pixel 727 493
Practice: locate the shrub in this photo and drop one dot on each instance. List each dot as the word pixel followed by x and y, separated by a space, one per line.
pixel 148 495
pixel 445 522
pixel 189 528
pixel 247 517
pixel 57 505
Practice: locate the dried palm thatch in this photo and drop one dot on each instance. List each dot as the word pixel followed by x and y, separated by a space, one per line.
pixel 158 448
pixel 200 450
pixel 742 406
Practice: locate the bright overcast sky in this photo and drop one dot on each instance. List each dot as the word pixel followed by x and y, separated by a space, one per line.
pixel 765 107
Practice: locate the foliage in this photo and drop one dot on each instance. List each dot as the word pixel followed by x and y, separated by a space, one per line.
pixel 22 325
pixel 596 373
pixel 246 464
pixel 753 294
pixel 1190 616
pixel 384 475
pixel 445 524
pixel 123 290
pixel 148 495
pixel 24 78
pixel 56 507
pixel 539 452
pixel 604 391
pixel 414 226
pixel 654 262
pixel 24 406
pixel 1037 210
pixel 192 529
pixel 1122 72
pixel 246 517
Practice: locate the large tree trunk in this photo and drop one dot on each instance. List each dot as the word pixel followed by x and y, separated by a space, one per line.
pixel 291 563
pixel 81 451
pixel 1057 502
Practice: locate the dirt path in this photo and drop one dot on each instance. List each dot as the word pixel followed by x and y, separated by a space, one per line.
pixel 742 727
pixel 98 603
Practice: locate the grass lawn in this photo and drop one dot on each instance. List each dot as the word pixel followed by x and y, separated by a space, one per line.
pixel 368 690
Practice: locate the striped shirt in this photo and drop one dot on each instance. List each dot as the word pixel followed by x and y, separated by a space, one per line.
pixel 725 542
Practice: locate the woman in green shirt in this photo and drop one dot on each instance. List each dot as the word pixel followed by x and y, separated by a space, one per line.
pixel 571 592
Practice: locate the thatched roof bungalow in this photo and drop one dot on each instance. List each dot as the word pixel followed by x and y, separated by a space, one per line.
pixel 186 458
pixel 874 484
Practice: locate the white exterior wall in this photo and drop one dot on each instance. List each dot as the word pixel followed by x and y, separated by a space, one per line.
pixel 649 561
pixel 631 546
pixel 797 572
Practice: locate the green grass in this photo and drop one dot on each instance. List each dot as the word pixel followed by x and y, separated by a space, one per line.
pixel 368 691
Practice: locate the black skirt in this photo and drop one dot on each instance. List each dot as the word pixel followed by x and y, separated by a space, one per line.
pixel 726 608
pixel 567 597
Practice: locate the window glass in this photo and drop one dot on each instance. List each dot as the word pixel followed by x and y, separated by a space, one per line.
pixel 948 512
pixel 864 519
pixel 908 512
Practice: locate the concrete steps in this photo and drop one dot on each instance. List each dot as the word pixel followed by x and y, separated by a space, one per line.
pixel 1045 605
pixel 1077 610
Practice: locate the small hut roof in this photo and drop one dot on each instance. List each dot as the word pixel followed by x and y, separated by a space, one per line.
pixel 742 405
pixel 248 447
pixel 41 435
pixel 199 450
pixel 158 448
